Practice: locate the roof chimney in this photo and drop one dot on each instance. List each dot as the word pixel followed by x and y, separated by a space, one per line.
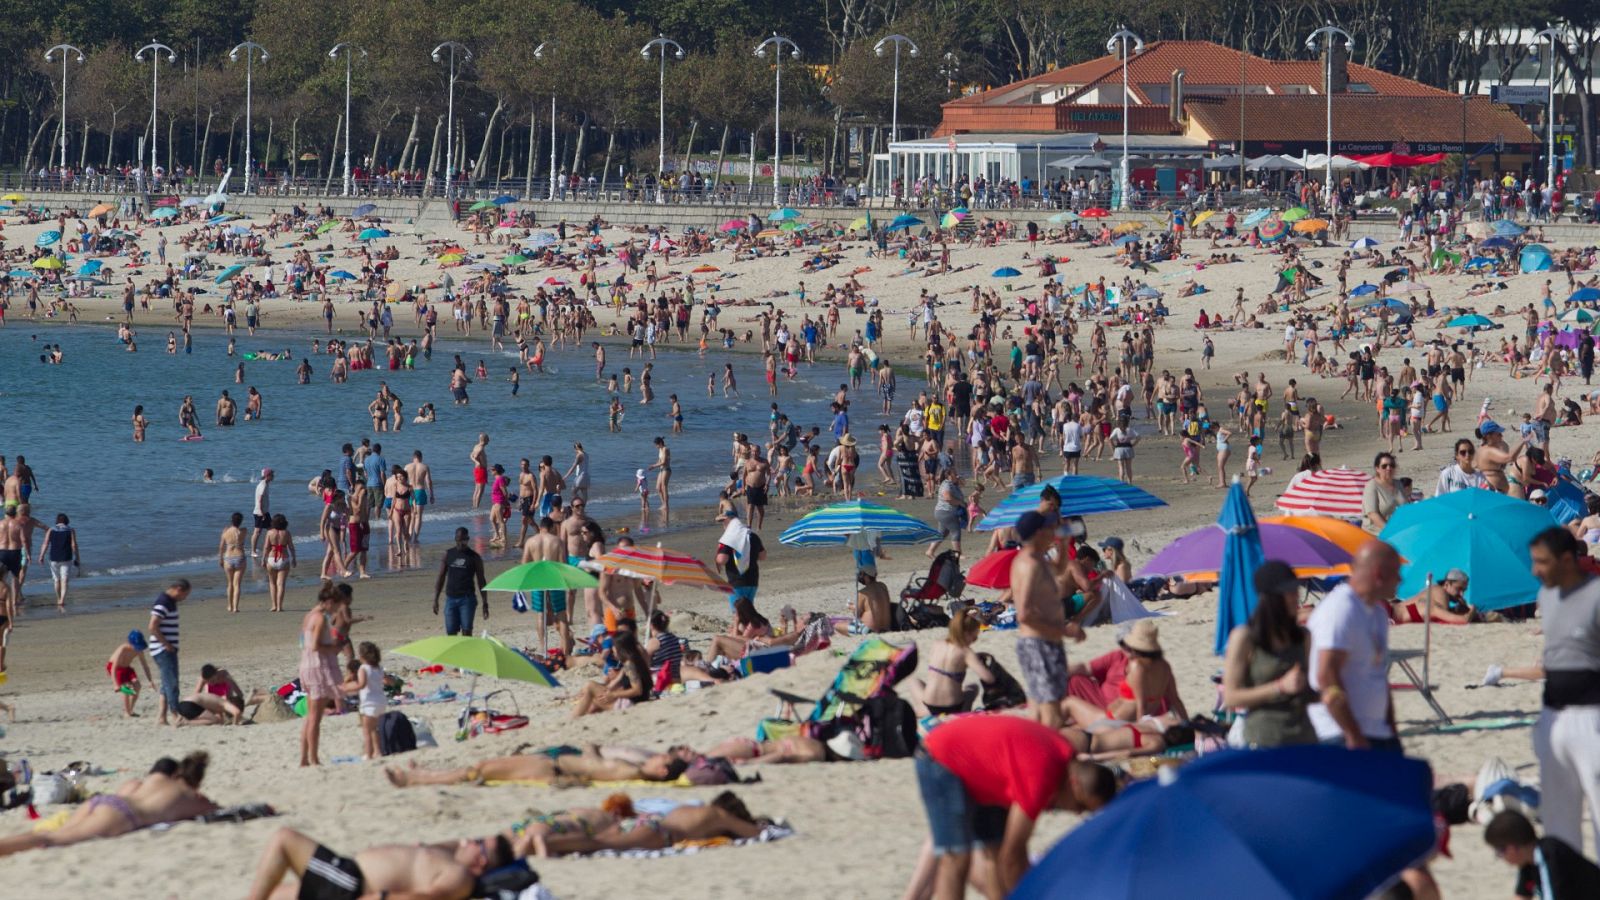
pixel 1338 69
pixel 1175 99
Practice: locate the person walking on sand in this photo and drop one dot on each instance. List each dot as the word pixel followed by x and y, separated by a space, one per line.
pixel 60 550
pixel 230 557
pixel 1349 656
pixel 480 468
pixel 319 669
pixel 164 643
pixel 461 581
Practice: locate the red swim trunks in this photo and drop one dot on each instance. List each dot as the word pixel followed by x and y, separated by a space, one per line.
pixel 359 532
pixel 121 675
pixel 480 475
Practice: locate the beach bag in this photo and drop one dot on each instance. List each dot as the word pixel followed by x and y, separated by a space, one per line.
pixel 395 734
pixel 710 771
pixel 507 882
pixel 887 726
pixel 1004 692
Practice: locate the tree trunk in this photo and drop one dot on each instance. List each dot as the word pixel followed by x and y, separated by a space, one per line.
pixel 577 144
pixel 233 126
pixel 294 149
pixel 333 153
pixel 833 145
pixel 722 152
pixel 27 165
pixel 533 152
pixel 172 131
pixel 205 140
pixel 266 149
pixel 433 155
pixel 500 160
pixel 408 152
pixel 605 168
pixel 111 139
pixel 688 149
pixel 483 149
pixel 83 148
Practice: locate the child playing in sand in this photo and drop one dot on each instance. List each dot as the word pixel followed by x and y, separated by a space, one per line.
pixel 120 668
pixel 367 687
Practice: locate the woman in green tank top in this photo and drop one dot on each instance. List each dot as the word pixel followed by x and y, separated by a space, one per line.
pixel 1264 674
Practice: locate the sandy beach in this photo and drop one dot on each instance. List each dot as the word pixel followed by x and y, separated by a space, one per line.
pixel 857 827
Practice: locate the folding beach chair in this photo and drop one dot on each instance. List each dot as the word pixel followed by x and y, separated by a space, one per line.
pixel 871 671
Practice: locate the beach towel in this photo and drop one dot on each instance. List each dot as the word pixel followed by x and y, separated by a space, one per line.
pixel 777 831
pixel 736 537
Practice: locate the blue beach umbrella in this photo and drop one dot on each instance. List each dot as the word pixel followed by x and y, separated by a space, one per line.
pixel 221 218
pixel 1081 495
pixel 1478 262
pixel 1584 295
pixel 371 234
pixel 902 222
pixel 1006 272
pixel 1363 288
pixel 228 273
pixel 21 273
pixel 1255 218
pixel 1472 320
pixel 1245 818
pixel 834 525
pixel 1365 243
pixel 165 212
pixel 1498 242
pixel 90 267
pixel 1241 556
pixel 1483 533
pixel 47 238
pixel 341 275
pixel 1124 240
pixel 783 215
pixel 503 199
pixel 1506 228
pixel 365 209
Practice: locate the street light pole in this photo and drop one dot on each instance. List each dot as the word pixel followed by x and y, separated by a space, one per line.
pixel 155 90
pixel 1122 37
pixel 538 53
pixel 1552 35
pixel 349 49
pixel 777 42
pixel 894 113
pixel 64 48
pixel 450 112
pixel 661 104
pixel 1327 33
pixel 249 48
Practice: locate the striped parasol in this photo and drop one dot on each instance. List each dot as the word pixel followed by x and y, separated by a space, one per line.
pixel 1081 495
pixel 1328 492
pixel 663 565
pixel 1272 230
pixel 836 524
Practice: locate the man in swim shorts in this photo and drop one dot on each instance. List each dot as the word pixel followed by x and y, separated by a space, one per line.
pixel 545 545
pixel 445 871
pixel 480 468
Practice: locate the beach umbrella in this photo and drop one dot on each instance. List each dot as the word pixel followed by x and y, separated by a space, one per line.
pixel 1095 212
pixel 542 575
pixel 1199 555
pixel 503 199
pixel 1126 228
pixel 663 565
pixel 1202 217
pixel 1125 240
pixel 47 238
pixel 1535 258
pixel 902 222
pixel 450 259
pixel 238 229
pixel 1256 218
pixel 228 273
pixel 835 524
pixel 326 227
pixel 13 198
pixel 372 234
pixel 1483 533
pixel 1243 816
pixel 89 267
pixel 191 202
pixel 165 212
pixel 1241 555
pixel 860 223
pixel 783 215
pixel 1005 272
pixel 481 205
pixel 100 209
pixel 1326 492
pixel 769 233
pixel 1471 320
pixel 1146 292
pixel 733 225
pixel 365 209
pixel 515 259
pixel 47 262
pixel 1273 230
pixel 786 226
pixel 1498 242
pixel 541 239
pixel 1584 295
pixel 1478 262
pixel 22 273
pixel 1081 495
pixel 342 275
pixel 553 281
pixel 1365 243
pixel 1310 226
pixel 1577 317
pixel 482 656
pixel 704 270
pixel 1341 534
pixel 216 199
pixel 1363 288
pixel 949 220
pixel 1506 228
pixel 1295 214
pixel 993 571
pixel 1064 217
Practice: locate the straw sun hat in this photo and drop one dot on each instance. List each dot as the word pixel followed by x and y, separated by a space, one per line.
pixel 1142 637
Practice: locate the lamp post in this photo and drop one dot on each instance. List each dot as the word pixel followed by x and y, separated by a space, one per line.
pixel 661 105
pixel 1552 35
pixel 776 42
pixel 949 69
pixel 250 48
pixel 349 51
pixel 538 53
pixel 894 109
pixel 65 49
pixel 1327 33
pixel 450 111
pixel 1119 44
pixel 156 50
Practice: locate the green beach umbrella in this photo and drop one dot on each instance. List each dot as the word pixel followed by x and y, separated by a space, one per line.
pixel 1578 316
pixel 478 655
pixel 515 259
pixel 1295 214
pixel 544 575
pixel 326 227
pixel 481 205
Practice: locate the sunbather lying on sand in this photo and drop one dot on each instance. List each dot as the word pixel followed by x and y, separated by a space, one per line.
pixel 724 817
pixel 442 871
pixel 170 793
pixel 586 766
pixel 1109 739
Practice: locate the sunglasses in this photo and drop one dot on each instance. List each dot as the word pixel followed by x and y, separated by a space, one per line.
pixel 1386 465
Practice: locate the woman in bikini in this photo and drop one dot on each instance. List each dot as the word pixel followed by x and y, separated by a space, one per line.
pixel 230 556
pixel 319 669
pixel 749 630
pixel 400 509
pixel 724 817
pixel 1148 688
pixel 944 691
pixel 631 682
pixel 170 793
pixel 280 559
pixel 140 423
pixel 663 464
pixel 333 526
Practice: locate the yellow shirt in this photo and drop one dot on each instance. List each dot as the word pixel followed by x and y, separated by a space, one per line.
pixel 933 416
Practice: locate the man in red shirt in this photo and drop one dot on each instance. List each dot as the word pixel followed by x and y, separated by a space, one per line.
pixel 984 781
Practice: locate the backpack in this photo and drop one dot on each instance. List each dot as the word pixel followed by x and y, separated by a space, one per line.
pixel 395 734
pixel 925 615
pixel 1004 691
pixel 887 726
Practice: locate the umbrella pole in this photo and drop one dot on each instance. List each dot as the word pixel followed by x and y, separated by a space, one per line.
pixel 1427 638
pixel 650 610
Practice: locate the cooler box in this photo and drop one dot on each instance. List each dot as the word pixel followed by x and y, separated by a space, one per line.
pixel 769 660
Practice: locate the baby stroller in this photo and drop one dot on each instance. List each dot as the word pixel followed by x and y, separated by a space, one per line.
pixel 944 579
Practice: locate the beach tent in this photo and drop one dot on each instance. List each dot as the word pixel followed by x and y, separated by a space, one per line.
pixel 1535 258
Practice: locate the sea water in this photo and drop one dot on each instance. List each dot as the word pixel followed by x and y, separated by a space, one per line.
pixel 143 511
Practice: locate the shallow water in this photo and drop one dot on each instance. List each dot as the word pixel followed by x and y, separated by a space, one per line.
pixel 143 511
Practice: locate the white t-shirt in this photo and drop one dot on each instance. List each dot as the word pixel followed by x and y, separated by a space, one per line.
pixel 372 696
pixel 261 497
pixel 1071 436
pixel 1343 622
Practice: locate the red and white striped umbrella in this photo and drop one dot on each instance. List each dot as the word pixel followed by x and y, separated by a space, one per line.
pixel 663 565
pixel 1329 492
